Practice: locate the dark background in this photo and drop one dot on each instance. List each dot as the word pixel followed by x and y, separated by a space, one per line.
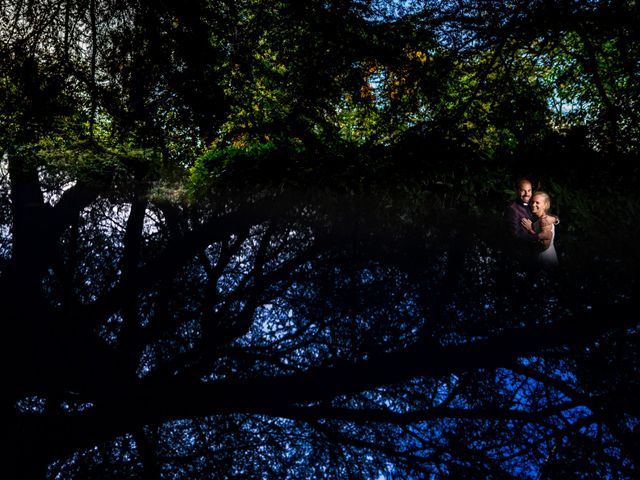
pixel 263 239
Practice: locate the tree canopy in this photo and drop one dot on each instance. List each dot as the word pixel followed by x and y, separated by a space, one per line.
pixel 263 239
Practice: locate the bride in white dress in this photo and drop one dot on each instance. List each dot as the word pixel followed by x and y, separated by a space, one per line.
pixel 543 228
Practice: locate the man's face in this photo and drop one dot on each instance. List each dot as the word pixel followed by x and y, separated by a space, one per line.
pixel 524 192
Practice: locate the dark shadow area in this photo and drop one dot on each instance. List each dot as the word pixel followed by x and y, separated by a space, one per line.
pixel 265 240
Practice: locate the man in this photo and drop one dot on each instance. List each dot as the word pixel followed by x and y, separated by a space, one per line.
pixel 522 244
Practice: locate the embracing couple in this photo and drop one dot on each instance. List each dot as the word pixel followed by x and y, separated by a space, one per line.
pixel 531 227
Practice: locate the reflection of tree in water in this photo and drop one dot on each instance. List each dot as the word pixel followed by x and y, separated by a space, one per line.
pixel 204 276
pixel 306 343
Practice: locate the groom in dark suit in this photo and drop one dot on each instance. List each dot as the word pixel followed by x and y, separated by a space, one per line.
pixel 522 244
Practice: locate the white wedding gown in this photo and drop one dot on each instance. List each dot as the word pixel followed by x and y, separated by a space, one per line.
pixel 547 257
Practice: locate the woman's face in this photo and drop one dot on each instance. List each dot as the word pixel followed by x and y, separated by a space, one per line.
pixel 539 205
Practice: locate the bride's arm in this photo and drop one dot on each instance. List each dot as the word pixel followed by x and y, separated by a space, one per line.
pixel 528 225
pixel 546 231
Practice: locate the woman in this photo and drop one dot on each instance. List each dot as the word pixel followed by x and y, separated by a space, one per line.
pixel 543 227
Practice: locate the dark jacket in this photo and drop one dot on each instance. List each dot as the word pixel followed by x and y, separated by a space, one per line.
pixel 520 241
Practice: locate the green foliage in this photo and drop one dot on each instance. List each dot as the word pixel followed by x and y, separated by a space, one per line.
pixel 250 165
pixel 31 95
pixel 92 155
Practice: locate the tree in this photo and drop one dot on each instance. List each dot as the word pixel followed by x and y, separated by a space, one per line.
pixel 236 242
